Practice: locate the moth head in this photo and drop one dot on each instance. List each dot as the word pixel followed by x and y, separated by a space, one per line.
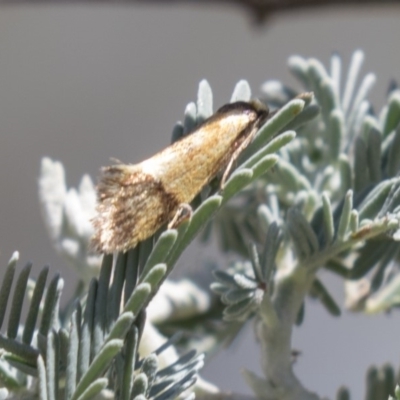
pixel 257 110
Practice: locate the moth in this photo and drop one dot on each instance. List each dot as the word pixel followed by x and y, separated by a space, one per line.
pixel 134 201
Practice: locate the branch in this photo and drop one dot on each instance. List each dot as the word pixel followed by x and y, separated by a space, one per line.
pixel 291 288
pixel 260 10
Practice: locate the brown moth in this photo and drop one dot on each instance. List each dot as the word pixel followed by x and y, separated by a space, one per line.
pixel 134 201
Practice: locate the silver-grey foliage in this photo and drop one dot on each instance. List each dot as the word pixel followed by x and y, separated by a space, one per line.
pixel 318 188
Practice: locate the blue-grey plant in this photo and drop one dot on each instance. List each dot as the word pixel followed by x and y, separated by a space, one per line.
pixel 318 188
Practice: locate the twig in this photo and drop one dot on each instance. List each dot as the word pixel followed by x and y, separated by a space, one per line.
pixel 260 10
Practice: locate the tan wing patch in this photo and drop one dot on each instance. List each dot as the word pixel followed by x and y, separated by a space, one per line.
pixel 132 205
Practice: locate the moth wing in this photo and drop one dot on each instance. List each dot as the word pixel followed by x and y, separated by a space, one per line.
pixel 131 207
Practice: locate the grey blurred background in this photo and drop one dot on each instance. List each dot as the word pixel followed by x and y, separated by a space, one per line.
pixel 82 84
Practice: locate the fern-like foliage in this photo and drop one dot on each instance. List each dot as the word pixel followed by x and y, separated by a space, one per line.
pixel 317 188
pixel 93 353
pixel 335 187
pixel 334 194
pixel 91 348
